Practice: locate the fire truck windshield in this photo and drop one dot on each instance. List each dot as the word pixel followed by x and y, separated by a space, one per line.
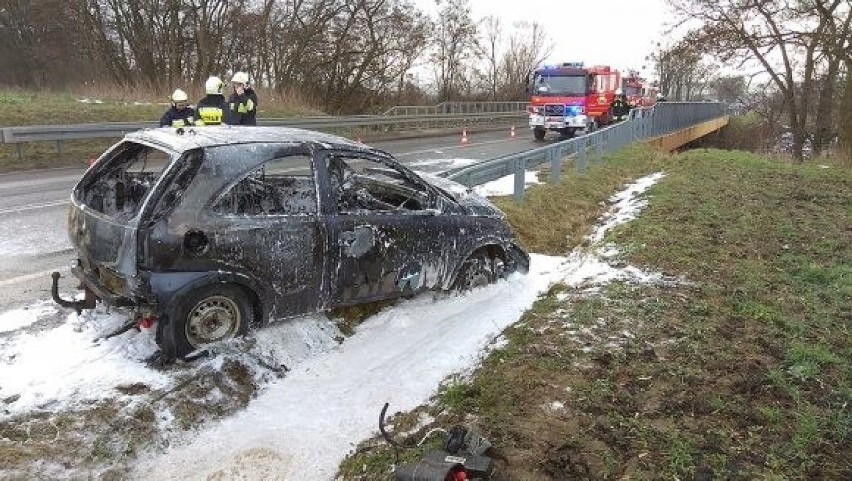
pixel 632 90
pixel 568 85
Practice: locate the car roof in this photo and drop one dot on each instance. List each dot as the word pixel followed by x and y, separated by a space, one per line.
pixel 209 136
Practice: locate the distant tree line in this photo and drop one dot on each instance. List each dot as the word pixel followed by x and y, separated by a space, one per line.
pixel 347 55
pixel 803 48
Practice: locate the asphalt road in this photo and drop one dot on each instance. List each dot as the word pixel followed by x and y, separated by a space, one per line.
pixel 33 207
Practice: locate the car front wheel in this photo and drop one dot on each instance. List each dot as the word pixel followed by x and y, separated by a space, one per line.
pixel 211 314
pixel 477 271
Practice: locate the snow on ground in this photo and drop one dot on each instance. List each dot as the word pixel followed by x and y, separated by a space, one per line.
pixel 329 400
pixel 625 205
pixel 505 185
pixel 27 316
pixel 69 366
pixel 442 164
pixel 308 421
pixel 53 368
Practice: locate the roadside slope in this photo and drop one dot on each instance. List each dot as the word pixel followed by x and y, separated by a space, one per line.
pixel 734 364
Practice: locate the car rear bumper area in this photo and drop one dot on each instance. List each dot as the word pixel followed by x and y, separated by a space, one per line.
pixel 93 289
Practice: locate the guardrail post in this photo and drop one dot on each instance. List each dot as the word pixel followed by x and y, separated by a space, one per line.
pixel 555 164
pixel 59 149
pixel 598 148
pixel 20 152
pixel 581 155
pixel 520 179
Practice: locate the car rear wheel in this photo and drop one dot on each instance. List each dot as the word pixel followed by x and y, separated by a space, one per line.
pixel 539 134
pixel 477 271
pixel 211 314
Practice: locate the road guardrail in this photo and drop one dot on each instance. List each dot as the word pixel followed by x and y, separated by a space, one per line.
pixel 643 123
pixel 351 124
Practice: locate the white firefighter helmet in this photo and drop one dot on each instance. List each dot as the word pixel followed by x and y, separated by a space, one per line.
pixel 179 96
pixel 617 91
pixel 240 78
pixel 213 85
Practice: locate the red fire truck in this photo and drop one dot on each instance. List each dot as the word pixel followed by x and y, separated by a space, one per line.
pixel 569 97
pixel 639 93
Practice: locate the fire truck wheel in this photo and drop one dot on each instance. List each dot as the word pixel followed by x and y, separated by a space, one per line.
pixel 539 134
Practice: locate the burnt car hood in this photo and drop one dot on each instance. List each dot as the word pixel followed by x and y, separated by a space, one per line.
pixel 474 203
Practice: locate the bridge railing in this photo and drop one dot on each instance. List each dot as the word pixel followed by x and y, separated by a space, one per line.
pixel 643 123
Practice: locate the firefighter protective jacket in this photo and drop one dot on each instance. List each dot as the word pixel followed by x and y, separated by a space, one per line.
pixel 620 107
pixel 178 118
pixel 213 110
pixel 244 107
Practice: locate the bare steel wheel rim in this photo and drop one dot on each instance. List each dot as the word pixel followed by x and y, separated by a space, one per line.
pixel 214 318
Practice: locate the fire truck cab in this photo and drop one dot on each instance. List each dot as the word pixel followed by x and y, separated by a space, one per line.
pixel 568 97
pixel 638 91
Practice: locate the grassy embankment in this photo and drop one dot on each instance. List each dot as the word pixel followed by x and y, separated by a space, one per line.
pixel 740 371
pixel 47 108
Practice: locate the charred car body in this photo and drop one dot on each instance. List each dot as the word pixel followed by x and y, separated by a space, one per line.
pixel 213 231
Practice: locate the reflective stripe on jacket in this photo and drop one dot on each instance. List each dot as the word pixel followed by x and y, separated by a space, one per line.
pixel 212 110
pixel 243 108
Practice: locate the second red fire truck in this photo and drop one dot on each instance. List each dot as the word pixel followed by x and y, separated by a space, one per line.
pixel 639 93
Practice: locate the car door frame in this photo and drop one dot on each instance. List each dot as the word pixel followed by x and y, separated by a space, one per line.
pixel 333 217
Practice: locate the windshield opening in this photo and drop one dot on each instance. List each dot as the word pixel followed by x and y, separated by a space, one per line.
pixel 631 90
pixel 119 183
pixel 568 85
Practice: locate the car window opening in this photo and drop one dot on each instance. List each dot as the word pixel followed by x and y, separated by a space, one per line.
pixel 119 188
pixel 282 186
pixel 364 185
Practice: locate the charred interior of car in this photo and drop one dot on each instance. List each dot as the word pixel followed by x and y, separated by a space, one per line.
pixel 119 190
pixel 282 186
pixel 361 184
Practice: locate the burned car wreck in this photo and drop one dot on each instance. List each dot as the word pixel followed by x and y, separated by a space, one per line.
pixel 217 230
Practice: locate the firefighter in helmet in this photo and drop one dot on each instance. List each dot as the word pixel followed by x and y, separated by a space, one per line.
pixel 180 113
pixel 620 107
pixel 243 101
pixel 213 109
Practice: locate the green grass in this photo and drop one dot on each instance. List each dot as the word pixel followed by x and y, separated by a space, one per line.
pixel 555 227
pixel 21 107
pixel 741 372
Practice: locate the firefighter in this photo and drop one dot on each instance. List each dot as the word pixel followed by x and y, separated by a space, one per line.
pixel 213 109
pixel 180 113
pixel 243 102
pixel 620 107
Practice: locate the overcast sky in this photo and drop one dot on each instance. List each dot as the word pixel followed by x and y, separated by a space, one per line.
pixel 619 33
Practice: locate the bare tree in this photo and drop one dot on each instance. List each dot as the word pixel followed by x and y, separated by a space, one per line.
pixel 681 69
pixel 528 47
pixel 493 35
pixel 730 89
pixel 766 30
pixel 456 44
pixel 836 52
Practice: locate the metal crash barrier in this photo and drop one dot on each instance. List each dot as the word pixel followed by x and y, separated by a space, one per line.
pixel 397 119
pixel 643 123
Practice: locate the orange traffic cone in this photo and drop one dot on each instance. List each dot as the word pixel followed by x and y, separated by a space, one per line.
pixel 464 139
pixel 512 133
pixel 359 140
